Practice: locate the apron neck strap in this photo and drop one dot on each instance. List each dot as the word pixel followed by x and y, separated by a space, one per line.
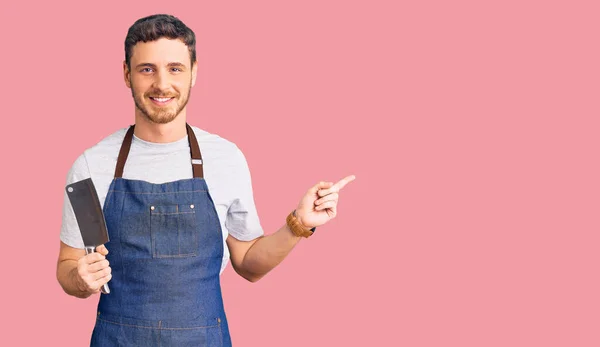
pixel 194 150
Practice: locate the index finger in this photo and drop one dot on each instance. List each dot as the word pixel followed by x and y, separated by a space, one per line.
pixel 342 183
pixel 93 257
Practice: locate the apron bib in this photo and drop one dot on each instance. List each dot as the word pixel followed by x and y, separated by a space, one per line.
pixel 166 249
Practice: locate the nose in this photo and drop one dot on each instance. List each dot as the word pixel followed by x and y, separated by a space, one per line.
pixel 161 81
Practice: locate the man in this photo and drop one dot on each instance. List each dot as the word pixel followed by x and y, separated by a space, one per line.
pixel 178 205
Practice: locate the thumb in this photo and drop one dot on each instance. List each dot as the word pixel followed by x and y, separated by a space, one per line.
pixel 102 250
pixel 320 185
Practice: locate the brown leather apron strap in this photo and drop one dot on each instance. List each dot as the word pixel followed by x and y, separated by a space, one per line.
pixel 124 152
pixel 194 150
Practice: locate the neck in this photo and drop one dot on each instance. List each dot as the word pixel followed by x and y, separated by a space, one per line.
pixel 160 133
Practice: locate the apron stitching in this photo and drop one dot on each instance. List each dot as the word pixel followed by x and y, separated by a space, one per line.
pixel 120 253
pixel 220 331
pixel 158 213
pixel 177 255
pixel 192 328
pixel 177 192
pixel 152 237
pixel 178 231
pixel 125 325
pixel 159 325
pixel 107 199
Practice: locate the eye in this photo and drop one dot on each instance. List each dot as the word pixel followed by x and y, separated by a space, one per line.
pixel 176 69
pixel 146 69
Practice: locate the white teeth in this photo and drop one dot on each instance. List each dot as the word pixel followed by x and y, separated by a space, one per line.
pixel 161 99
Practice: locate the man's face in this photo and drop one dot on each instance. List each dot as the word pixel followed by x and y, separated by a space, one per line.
pixel 160 78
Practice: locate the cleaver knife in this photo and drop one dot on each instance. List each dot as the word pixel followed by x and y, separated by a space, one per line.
pixel 88 212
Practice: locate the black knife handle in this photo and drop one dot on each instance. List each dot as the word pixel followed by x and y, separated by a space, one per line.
pixel 92 249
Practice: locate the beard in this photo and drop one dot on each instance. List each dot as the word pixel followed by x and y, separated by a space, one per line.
pixel 157 114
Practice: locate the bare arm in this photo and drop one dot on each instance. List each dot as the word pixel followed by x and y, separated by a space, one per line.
pixel 254 259
pixel 82 275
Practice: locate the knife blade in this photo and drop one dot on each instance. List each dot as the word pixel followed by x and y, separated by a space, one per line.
pixel 89 216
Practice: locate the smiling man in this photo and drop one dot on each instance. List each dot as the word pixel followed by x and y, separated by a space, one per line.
pixel 178 205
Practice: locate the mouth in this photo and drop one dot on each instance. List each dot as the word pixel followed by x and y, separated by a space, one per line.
pixel 161 101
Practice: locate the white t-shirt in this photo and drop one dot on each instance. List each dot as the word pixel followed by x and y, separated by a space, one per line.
pixel 225 171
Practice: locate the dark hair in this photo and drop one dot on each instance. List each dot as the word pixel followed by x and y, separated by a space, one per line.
pixel 157 26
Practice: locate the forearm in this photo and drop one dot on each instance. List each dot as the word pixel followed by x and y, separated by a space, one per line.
pixel 67 277
pixel 267 252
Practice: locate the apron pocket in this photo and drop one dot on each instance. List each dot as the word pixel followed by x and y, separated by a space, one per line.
pixel 111 334
pixel 174 231
pixel 198 337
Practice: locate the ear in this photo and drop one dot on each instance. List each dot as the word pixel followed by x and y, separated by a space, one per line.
pixel 194 72
pixel 126 75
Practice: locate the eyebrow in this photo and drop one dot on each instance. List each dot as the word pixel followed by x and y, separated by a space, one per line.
pixel 173 64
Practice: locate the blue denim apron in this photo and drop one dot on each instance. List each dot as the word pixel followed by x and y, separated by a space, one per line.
pixel 166 249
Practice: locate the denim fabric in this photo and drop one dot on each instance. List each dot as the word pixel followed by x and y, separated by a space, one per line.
pixel 165 251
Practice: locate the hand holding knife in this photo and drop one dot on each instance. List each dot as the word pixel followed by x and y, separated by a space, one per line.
pixel 88 212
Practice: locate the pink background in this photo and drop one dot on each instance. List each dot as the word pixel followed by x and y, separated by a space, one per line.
pixel 472 128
